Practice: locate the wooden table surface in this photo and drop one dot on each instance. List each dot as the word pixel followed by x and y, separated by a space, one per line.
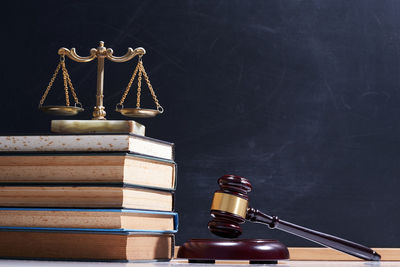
pixel 21 263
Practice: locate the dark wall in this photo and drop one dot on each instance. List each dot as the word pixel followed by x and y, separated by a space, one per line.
pixel 300 97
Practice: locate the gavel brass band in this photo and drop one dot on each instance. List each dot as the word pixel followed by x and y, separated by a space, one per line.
pixel 230 203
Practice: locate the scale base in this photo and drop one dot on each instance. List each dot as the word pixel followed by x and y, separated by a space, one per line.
pixel 97 126
pixel 256 251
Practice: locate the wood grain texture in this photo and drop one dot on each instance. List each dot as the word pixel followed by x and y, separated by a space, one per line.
pixel 327 254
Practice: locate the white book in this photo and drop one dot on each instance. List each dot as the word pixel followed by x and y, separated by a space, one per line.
pixel 88 143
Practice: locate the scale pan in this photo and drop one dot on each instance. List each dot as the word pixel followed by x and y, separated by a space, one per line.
pixel 61 110
pixel 138 112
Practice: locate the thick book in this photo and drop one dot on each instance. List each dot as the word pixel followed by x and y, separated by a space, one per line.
pixel 88 168
pixel 117 220
pixel 93 196
pixel 88 143
pixel 87 246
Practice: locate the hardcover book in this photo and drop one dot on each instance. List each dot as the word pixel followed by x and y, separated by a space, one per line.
pixel 88 168
pixel 81 245
pixel 88 143
pixel 99 196
pixel 117 220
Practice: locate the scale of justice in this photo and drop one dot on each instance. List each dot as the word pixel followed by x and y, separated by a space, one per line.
pixel 99 124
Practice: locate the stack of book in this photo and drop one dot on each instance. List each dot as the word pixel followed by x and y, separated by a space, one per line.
pixel 87 197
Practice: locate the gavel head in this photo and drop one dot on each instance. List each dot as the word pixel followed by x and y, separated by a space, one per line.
pixel 229 206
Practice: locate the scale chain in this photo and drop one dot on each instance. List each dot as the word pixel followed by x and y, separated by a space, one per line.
pixel 139 89
pixel 50 84
pixel 65 83
pixel 146 77
pixel 140 68
pixel 71 86
pixel 128 87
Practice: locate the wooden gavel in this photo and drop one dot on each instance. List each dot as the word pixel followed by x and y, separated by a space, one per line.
pixel 230 208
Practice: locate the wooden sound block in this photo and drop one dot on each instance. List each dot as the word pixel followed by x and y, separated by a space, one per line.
pixel 253 250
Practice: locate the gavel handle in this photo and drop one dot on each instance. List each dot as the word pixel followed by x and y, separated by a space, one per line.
pixel 326 240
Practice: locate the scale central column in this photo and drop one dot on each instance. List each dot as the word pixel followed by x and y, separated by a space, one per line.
pixel 99 112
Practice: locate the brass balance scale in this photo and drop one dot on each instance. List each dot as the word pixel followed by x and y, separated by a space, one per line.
pixel 101 53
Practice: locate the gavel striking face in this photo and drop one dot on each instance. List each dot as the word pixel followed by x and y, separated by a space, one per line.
pixel 230 208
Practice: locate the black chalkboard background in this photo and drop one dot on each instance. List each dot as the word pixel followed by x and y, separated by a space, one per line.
pixel 300 97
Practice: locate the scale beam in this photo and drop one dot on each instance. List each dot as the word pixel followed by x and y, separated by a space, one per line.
pixel 128 56
pixel 74 56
